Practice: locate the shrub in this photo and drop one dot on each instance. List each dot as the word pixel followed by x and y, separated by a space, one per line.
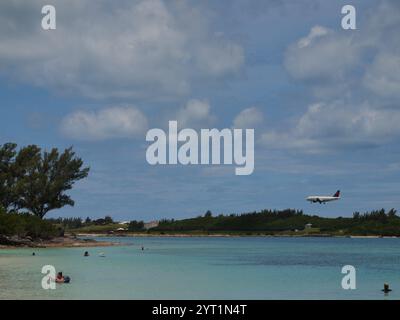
pixel 23 225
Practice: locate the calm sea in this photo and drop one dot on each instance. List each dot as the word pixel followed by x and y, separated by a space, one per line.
pixel 208 268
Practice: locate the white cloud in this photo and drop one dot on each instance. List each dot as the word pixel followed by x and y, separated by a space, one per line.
pixel 330 55
pixel 353 77
pixel 146 48
pixel 326 127
pixel 315 32
pixel 383 76
pixel 322 55
pixel 218 59
pixel 113 122
pixel 195 114
pixel 248 118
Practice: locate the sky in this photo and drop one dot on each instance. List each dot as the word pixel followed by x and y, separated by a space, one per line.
pixel 324 101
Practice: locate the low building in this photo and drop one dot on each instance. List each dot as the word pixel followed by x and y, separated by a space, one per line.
pixel 151 224
pixel 308 226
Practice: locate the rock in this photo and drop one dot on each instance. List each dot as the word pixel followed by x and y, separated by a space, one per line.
pixel 15 241
pixel 9 241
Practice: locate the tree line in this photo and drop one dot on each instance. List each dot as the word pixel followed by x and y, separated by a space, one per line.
pixel 379 215
pixel 77 222
pixel 376 222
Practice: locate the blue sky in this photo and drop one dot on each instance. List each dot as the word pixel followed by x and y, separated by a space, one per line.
pixel 324 101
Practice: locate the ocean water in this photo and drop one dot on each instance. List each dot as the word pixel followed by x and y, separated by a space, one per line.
pixel 208 268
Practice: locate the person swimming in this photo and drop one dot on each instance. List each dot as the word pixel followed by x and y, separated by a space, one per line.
pixel 60 278
pixel 86 254
pixel 386 288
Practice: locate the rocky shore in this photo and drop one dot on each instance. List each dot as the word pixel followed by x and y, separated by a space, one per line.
pixel 58 242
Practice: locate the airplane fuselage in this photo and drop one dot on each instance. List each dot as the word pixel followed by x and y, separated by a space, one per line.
pixel 321 199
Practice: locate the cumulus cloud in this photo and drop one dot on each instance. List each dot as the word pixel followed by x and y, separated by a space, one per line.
pixel 248 118
pixel 353 79
pixel 146 48
pixel 383 76
pixel 113 122
pixel 322 55
pixel 330 55
pixel 336 125
pixel 315 32
pixel 195 114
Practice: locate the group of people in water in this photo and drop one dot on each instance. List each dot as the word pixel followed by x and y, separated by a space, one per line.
pixel 60 278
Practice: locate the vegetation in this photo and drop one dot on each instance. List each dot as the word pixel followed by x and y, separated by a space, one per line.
pixel 33 182
pixel 265 222
pixel 91 228
pixel 287 221
pixel 26 225
pixel 36 181
pixel 135 226
pixel 102 225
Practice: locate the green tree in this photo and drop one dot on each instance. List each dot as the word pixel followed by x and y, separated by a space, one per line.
pixel 43 178
pixel 136 225
pixel 208 214
pixel 7 176
pixel 356 215
pixel 392 213
pixel 108 220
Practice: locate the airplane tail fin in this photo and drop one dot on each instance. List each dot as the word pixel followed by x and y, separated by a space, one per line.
pixel 337 194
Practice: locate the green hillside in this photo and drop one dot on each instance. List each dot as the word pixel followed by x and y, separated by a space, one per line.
pixel 288 221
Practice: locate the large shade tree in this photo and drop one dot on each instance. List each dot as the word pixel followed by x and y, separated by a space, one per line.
pixel 37 181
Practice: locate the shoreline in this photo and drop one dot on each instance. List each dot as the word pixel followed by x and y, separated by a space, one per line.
pixel 60 242
pixel 83 240
pixel 221 235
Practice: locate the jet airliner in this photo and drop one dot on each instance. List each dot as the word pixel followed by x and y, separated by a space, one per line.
pixel 324 199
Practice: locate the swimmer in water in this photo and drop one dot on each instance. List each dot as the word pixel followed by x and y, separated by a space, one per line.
pixel 386 288
pixel 60 278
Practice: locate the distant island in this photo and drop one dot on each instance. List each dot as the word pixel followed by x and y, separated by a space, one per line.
pixel 29 230
pixel 288 222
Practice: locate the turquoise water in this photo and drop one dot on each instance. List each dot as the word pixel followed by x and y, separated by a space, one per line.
pixel 208 268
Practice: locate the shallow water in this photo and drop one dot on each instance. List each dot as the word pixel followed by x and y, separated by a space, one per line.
pixel 208 268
